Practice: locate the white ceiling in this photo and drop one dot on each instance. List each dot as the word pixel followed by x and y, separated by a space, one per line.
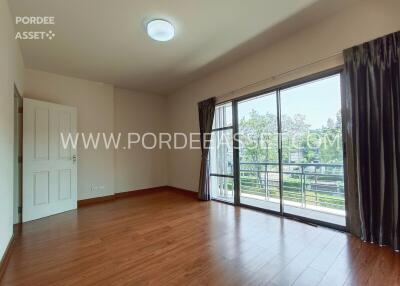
pixel 105 40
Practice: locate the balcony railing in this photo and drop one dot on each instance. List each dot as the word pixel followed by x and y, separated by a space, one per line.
pixel 312 185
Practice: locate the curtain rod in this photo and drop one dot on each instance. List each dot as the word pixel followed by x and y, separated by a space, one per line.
pixel 227 94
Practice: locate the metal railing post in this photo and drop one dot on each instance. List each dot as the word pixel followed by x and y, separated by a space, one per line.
pixel 302 182
pixel 266 181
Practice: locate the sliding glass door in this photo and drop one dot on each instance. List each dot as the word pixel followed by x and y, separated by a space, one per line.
pixel 290 155
pixel 221 155
pixel 282 151
pixel 312 153
pixel 258 152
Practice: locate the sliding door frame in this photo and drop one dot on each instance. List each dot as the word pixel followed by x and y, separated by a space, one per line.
pixel 221 175
pixel 236 164
pixel 236 168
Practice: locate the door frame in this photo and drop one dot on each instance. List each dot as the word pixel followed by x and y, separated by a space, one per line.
pixel 277 89
pixel 17 189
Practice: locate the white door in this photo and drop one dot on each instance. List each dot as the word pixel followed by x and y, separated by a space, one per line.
pixel 49 169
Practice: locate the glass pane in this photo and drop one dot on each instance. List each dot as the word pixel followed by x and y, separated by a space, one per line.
pixel 258 152
pixel 223 115
pixel 221 152
pixel 222 188
pixel 312 152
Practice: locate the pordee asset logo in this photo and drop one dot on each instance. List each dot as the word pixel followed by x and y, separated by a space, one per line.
pixel 35 35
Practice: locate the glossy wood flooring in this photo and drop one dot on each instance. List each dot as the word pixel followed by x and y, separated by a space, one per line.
pixel 169 238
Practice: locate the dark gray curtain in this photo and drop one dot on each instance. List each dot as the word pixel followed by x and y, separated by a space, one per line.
pixel 206 117
pixel 372 114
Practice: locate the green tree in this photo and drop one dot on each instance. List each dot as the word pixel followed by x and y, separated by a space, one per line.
pixel 259 139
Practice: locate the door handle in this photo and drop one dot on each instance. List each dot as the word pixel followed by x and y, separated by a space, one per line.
pixel 74 158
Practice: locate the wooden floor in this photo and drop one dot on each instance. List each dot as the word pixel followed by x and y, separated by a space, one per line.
pixel 169 238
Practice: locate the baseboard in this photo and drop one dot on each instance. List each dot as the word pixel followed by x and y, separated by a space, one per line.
pixel 139 192
pixel 97 200
pixel 183 191
pixel 6 256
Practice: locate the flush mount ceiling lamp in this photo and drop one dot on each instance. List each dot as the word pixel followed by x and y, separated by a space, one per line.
pixel 160 30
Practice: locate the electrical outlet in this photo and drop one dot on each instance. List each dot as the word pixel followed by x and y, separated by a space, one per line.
pixel 96 188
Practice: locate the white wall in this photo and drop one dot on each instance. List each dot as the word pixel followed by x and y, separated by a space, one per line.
pixel 101 108
pixel 139 168
pixel 11 72
pixel 95 104
pixel 360 23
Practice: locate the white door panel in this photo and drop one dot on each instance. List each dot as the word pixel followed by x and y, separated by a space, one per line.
pixel 49 169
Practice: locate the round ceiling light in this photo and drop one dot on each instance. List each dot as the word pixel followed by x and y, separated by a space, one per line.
pixel 160 30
